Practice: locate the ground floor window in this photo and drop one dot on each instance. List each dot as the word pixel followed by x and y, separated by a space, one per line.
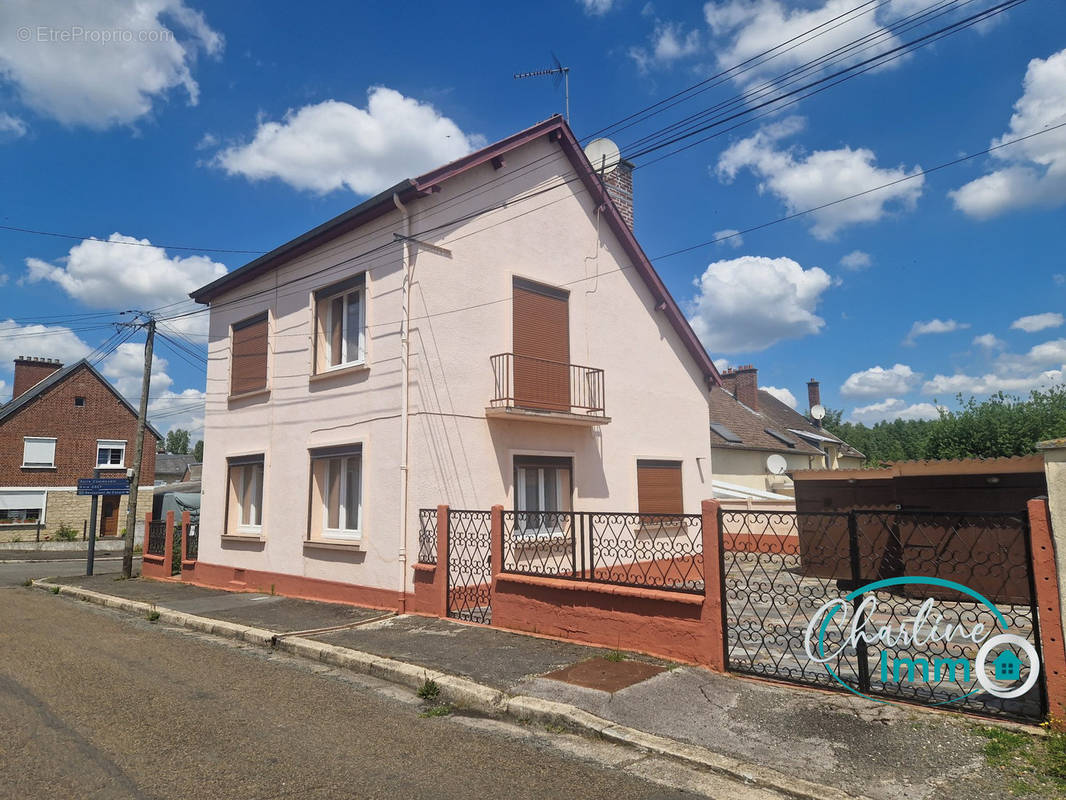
pixel 245 512
pixel 21 508
pixel 337 493
pixel 543 487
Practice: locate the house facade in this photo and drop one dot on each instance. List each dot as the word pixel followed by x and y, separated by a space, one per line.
pixel 749 426
pixel 62 424
pixel 488 333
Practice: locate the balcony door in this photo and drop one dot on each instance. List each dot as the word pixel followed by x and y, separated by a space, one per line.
pixel 541 344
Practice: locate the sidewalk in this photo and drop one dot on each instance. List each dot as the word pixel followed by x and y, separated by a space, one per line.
pixel 883 752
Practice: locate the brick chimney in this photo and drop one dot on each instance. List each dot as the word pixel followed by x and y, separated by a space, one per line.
pixel 620 187
pixel 743 383
pixel 30 371
pixel 814 398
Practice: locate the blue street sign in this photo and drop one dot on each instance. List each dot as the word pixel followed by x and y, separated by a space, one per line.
pixel 109 486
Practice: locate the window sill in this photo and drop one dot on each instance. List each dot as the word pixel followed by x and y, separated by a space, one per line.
pixel 38 466
pixel 258 394
pixel 317 544
pixel 243 537
pixel 337 372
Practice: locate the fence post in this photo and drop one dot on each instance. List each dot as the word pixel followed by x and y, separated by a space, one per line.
pixel 440 575
pixel 495 542
pixel 1048 601
pixel 713 614
pixel 186 518
pixel 855 562
pixel 168 546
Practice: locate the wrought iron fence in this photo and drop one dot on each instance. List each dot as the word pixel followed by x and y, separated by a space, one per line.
pixel 427 536
pixel 528 382
pixel 192 546
pixel 661 551
pixel 157 537
pixel 780 568
pixel 469 568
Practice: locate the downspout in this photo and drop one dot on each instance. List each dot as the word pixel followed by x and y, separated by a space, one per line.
pixel 405 372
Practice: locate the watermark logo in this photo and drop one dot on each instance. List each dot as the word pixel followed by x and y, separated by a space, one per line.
pixel 77 34
pixel 916 649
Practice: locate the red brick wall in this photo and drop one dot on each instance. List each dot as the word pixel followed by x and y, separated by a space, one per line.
pixel 31 371
pixel 76 429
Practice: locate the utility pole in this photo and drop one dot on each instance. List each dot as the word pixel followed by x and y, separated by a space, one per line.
pixel 138 454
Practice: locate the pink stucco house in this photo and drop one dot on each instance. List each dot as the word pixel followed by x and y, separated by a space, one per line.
pixel 486 333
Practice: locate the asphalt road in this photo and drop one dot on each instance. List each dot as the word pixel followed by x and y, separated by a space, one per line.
pixel 97 705
pixel 15 573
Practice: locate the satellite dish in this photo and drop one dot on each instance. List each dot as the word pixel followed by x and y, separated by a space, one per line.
pixel 776 464
pixel 603 154
pixel 818 411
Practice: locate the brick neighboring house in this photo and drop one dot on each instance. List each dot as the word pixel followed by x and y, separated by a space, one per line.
pixel 61 424
pixel 748 425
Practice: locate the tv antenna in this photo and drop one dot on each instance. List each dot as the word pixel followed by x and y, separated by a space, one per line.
pixel 561 75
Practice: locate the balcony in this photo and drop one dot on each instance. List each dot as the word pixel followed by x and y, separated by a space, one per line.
pixel 533 389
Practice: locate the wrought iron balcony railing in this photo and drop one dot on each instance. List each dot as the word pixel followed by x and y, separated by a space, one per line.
pixel 524 382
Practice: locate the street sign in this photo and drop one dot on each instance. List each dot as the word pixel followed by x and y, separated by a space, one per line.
pixel 107 486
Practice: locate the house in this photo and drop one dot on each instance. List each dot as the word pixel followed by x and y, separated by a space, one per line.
pixel 487 333
pixel 1007 666
pixel 758 441
pixel 62 424
pixel 171 467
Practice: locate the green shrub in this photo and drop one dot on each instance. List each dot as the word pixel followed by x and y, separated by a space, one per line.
pixel 65 533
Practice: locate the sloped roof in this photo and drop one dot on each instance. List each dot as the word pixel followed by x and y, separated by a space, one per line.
pixel 13 406
pixel 414 188
pixel 753 427
pixel 172 463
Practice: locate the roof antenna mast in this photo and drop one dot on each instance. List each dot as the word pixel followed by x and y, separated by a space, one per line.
pixel 562 75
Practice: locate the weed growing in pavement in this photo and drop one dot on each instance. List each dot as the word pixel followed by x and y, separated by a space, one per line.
pixel 153 615
pixel 441 710
pixel 429 690
pixel 28 582
pixel 55 590
pixel 615 656
pixel 1036 765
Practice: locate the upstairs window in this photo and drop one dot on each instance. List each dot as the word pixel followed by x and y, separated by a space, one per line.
pixel 340 325
pixel 248 345
pixel 110 454
pixel 245 506
pixel 38 452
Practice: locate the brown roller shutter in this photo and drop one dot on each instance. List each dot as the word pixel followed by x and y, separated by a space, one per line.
pixel 659 487
pixel 248 371
pixel 541 342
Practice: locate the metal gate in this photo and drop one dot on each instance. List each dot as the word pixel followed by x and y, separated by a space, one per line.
pixel 469 567
pixel 780 568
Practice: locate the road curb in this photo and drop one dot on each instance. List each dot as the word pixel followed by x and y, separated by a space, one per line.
pixel 469 695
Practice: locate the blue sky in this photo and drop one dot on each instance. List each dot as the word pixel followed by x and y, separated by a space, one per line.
pixel 181 124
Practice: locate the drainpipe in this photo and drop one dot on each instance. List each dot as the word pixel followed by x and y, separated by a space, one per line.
pixel 405 374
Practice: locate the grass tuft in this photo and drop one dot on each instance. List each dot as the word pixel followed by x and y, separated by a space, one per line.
pixel 441 710
pixel 429 690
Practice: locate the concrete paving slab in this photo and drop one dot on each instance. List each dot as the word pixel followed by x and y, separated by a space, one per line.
pixel 491 657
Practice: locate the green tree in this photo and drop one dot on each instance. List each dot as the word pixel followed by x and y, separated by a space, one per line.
pixel 178 442
pixel 198 451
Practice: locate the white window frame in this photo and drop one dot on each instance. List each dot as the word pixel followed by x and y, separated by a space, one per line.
pixel 343 532
pixel 345 361
pixel 111 444
pixel 248 474
pixel 42 508
pixel 38 464
pixel 544 531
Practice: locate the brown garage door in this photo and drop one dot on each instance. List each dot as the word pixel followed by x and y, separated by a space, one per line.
pixel 541 342
pixel 659 487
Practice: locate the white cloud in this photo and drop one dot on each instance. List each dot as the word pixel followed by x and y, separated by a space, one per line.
pixel 11 127
pixel 752 302
pixel 856 260
pixel 989 383
pixel 108 274
pixel 1038 322
pixel 5 392
pixel 119 58
pixel 125 369
pixel 784 395
pixel 809 180
pixel 596 8
pixel 1059 279
pixel 207 141
pixel 722 364
pixel 988 341
pixel 42 341
pixel 933 326
pixel 669 42
pixel 730 237
pixel 184 409
pixel 879 382
pixel 333 145
pixel 1034 171
pixel 743 29
pixel 891 409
